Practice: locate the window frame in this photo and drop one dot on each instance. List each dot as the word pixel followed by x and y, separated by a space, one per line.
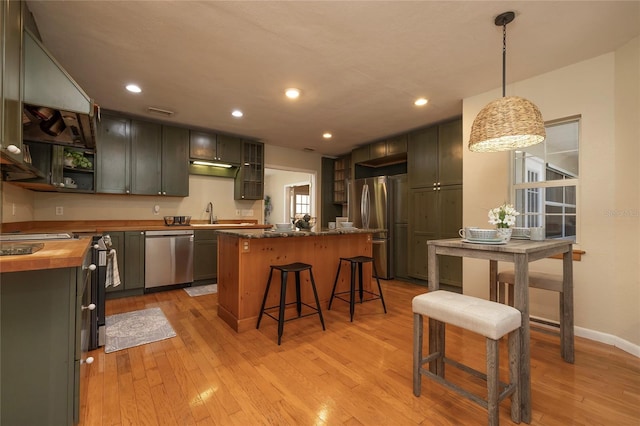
pixel 524 219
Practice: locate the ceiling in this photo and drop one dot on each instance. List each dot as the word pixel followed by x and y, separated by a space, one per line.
pixel 359 64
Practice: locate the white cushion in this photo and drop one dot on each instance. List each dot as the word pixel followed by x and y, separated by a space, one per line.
pixel 491 319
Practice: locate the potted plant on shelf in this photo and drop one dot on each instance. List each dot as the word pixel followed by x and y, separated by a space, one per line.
pixel 504 217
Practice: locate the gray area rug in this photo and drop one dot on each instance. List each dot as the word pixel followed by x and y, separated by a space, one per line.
pixel 201 290
pixel 136 328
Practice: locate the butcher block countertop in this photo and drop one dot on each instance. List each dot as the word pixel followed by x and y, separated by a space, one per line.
pixel 55 254
pixel 71 252
pixel 101 226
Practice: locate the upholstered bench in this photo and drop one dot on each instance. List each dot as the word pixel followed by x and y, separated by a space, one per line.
pixel 490 319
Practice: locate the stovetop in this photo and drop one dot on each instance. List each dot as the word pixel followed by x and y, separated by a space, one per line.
pixel 12 249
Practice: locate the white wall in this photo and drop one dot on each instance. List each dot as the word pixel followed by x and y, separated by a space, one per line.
pixel 41 206
pixel 605 92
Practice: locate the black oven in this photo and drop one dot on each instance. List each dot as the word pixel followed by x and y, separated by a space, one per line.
pixel 99 252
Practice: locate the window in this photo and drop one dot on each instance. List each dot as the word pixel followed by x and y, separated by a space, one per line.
pixel 303 205
pixel 545 181
pixel 300 201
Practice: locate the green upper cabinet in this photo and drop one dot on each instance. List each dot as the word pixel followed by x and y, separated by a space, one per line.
pixel 146 158
pixel 360 155
pixel 11 13
pixel 388 148
pixel 113 160
pixel 249 183
pixel 212 147
pixel 202 145
pixel 435 155
pixel 397 145
pixel 229 149
pixel 139 157
pixel 175 161
pixel 450 153
pixel 422 161
pixel 377 150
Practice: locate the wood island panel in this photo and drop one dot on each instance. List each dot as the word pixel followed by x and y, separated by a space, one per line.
pixel 244 265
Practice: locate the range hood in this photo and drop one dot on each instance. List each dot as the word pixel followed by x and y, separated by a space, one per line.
pixel 56 109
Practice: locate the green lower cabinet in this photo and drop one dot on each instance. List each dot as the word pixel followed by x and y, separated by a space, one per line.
pixel 434 214
pixel 129 248
pixel 41 334
pixel 205 256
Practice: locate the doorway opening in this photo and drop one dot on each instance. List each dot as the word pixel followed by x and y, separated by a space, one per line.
pixel 291 193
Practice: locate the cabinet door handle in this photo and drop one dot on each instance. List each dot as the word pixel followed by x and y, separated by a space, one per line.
pixel 91 307
pixel 91 267
pixel 89 360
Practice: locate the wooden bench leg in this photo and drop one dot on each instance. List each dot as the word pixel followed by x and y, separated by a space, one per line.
pixel 493 385
pixel 514 375
pixel 417 353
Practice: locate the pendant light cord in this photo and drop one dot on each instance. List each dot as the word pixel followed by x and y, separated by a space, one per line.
pixel 504 58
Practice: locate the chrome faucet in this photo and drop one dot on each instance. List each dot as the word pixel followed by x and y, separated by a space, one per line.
pixel 210 211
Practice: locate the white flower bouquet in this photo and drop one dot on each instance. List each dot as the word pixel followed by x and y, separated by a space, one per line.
pixel 503 216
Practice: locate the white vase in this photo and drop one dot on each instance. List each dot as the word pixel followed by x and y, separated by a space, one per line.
pixel 504 233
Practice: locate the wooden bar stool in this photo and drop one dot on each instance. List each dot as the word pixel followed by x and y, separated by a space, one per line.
pixel 490 319
pixel 544 281
pixel 356 262
pixel 284 272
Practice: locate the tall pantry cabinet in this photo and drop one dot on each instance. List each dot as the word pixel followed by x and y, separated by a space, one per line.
pixel 434 167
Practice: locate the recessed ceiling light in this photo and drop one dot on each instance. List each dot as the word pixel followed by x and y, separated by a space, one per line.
pixel 327 135
pixel 421 101
pixel 133 88
pixel 292 93
pixel 237 113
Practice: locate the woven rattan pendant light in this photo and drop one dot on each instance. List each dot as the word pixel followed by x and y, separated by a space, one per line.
pixel 509 122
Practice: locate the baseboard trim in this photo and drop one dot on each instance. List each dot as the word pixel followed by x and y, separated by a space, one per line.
pixel 608 339
pixel 598 336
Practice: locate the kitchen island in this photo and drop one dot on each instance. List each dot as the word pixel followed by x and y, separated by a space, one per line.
pixel 245 257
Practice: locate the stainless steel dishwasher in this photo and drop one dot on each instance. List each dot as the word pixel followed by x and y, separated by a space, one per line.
pixel 168 258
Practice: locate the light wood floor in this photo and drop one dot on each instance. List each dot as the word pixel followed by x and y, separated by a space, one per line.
pixel 352 374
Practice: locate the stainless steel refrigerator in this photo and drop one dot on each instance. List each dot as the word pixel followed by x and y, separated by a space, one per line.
pixel 370 207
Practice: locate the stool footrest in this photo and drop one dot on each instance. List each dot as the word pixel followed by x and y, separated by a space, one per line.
pixel 313 308
pixel 337 296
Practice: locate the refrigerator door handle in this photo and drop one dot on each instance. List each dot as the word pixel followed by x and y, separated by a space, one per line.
pixel 365 206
